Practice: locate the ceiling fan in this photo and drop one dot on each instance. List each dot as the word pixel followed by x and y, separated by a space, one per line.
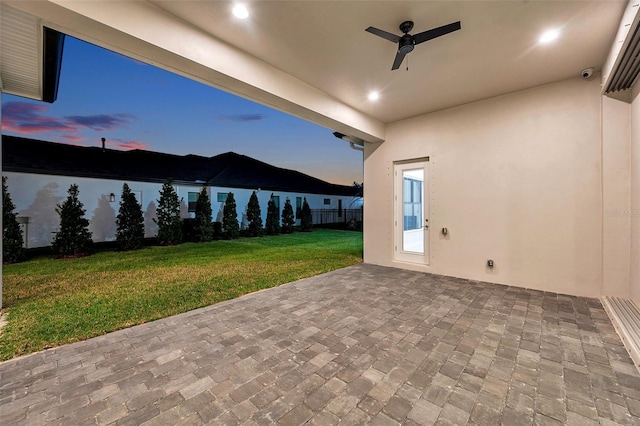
pixel 407 42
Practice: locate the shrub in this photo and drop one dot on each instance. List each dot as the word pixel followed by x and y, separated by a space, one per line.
pixel 12 240
pixel 230 218
pixel 203 226
pixel 168 216
pixel 273 221
pixel 73 237
pixel 254 216
pixel 305 217
pixel 217 230
pixel 288 219
pixel 129 222
pixel 188 229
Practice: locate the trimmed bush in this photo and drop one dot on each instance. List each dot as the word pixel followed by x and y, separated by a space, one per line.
pixel 73 238
pixel 230 218
pixel 254 216
pixel 217 231
pixel 12 240
pixel 168 216
pixel 129 222
pixel 203 226
pixel 306 222
pixel 273 221
pixel 288 219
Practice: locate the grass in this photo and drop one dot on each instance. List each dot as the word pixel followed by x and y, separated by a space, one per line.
pixel 50 302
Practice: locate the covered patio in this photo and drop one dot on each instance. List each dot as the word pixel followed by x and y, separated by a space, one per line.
pixel 365 344
pixel 530 158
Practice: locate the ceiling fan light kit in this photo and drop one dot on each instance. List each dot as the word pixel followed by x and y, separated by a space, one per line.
pixel 407 42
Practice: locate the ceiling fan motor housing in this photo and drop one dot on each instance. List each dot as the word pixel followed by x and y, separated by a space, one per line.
pixel 406 44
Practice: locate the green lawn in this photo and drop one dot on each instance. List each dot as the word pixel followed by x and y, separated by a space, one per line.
pixel 50 302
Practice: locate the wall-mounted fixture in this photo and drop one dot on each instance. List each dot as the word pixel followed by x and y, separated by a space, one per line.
pixel 112 198
pixel 445 231
pixel 356 143
pixel 490 263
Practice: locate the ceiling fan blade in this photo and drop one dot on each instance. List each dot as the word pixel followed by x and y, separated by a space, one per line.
pixel 380 33
pixel 436 32
pixel 398 61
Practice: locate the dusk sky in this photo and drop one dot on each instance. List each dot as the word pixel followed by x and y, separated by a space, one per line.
pixel 138 106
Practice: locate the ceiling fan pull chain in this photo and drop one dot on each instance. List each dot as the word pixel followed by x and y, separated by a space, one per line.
pixel 407 63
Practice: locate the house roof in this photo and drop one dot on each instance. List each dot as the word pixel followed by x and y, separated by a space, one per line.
pixel 224 170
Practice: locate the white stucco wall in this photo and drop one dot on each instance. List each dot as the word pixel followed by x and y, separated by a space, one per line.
pixel 616 140
pixel 36 197
pixel 516 179
pixel 634 211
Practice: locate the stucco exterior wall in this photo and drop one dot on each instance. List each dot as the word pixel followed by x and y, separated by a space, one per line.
pixel 634 210
pixel 36 197
pixel 616 139
pixel 516 179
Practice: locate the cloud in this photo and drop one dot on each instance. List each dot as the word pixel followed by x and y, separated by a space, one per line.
pixel 101 121
pixel 242 117
pixel 28 118
pixel 127 145
pixel 24 117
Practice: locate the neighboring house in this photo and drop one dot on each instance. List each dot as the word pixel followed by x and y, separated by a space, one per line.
pixel 39 174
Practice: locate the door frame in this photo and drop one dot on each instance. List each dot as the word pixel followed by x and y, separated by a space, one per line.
pixel 399 254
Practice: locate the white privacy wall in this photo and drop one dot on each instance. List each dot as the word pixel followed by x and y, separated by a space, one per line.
pixel 36 197
pixel 516 179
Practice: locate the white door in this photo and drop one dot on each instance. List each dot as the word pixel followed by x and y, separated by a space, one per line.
pixel 411 221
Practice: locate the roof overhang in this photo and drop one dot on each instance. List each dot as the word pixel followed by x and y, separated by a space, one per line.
pixel 30 55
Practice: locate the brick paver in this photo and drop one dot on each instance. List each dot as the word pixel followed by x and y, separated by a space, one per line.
pixel 364 344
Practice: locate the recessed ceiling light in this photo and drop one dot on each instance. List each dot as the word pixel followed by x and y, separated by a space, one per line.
pixel 240 11
pixel 549 36
pixel 373 96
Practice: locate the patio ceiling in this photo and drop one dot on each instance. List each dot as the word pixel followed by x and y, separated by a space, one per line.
pixel 323 43
pixel 314 60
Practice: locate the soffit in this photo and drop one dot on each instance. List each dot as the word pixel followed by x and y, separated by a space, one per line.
pixel 20 53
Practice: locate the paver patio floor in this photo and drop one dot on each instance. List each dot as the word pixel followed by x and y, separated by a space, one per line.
pixel 365 344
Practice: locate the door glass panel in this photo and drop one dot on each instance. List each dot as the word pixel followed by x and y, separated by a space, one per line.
pixel 413 211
